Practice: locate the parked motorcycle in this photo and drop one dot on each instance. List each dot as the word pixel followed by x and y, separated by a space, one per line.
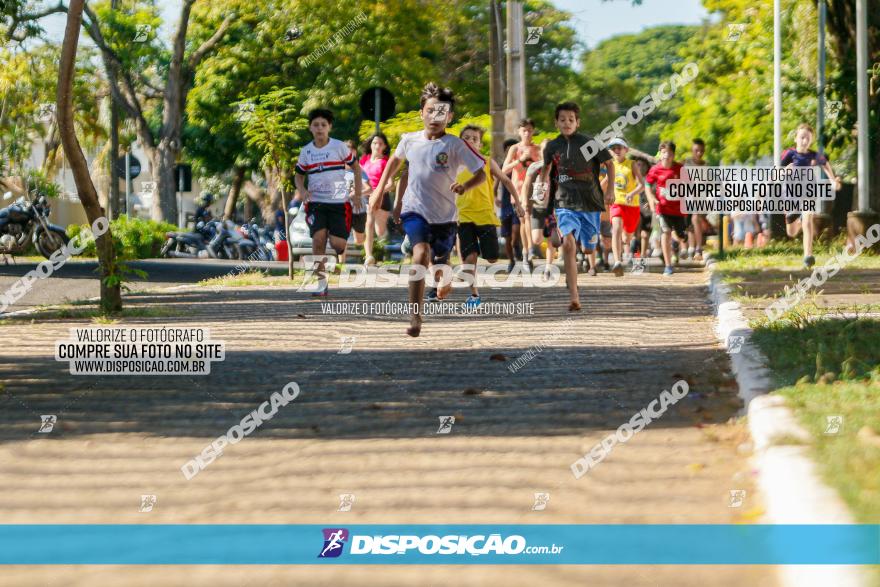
pixel 25 222
pixel 262 237
pixel 206 241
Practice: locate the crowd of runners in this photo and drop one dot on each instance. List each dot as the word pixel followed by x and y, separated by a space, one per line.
pixel 546 200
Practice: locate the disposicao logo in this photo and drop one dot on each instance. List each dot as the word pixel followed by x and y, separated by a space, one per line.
pixel 334 540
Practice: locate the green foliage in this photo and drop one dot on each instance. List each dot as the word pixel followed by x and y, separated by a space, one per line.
pixel 133 238
pixel 275 128
pixel 37 181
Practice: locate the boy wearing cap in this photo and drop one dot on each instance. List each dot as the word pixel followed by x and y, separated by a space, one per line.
pixel 625 211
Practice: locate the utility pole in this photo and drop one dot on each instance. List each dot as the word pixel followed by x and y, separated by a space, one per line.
pixel 776 228
pixel 497 89
pixel 823 219
pixel 864 217
pixel 516 82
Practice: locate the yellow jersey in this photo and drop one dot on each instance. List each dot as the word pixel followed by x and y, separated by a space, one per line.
pixel 624 183
pixel 478 204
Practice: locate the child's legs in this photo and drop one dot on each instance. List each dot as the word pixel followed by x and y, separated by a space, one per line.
pixel 569 258
pixel 319 250
pixel 697 221
pixel 808 228
pixel 368 241
pixel 468 238
pixel 380 221
pixel 421 257
pixel 666 246
pixel 617 241
pixel 792 225
pixel 525 235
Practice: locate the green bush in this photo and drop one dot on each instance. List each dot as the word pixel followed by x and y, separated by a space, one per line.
pixel 133 238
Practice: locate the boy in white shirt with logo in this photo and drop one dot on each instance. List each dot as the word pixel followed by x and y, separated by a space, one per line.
pixel 429 203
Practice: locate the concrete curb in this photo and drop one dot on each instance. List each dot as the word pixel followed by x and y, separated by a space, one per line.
pixel 792 490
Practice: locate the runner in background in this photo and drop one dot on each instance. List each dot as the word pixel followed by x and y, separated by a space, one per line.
pixel 625 212
pixel 539 197
pixel 802 156
pixel 698 224
pixel 477 221
pixel 358 205
pixel 373 162
pixel 510 222
pixel 518 159
pixel 669 215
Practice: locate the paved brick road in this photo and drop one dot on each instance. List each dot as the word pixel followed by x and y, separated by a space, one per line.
pixel 365 423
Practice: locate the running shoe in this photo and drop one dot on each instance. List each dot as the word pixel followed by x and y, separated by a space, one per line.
pixel 473 301
pixel 431 296
pixel 606 265
pixel 809 261
pixel 668 271
pixel 617 269
pixel 323 289
pixel 591 272
pixel 511 265
pixel 698 255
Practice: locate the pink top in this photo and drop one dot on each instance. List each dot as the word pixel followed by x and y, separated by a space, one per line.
pixel 374 168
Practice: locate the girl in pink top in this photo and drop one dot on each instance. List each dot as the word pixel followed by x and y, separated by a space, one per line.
pixel 373 163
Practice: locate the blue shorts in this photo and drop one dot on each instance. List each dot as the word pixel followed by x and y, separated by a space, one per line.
pixel 440 237
pixel 584 225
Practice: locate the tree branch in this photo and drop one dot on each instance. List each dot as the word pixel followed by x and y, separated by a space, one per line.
pixel 209 45
pixel 20 19
pixel 123 92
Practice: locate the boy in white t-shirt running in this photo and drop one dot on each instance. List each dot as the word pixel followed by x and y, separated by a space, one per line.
pixel 326 200
pixel 429 203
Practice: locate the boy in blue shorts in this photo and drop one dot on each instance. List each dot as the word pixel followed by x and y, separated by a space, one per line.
pixel 429 214
pixel 579 196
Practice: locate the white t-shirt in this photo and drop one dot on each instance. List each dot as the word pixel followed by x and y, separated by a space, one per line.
pixel 433 167
pixel 325 170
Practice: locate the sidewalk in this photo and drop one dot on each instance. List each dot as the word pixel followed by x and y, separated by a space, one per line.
pixel 366 423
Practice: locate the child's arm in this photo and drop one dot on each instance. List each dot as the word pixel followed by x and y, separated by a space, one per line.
pixel 652 199
pixel 609 185
pixel 300 182
pixel 390 170
pixel 510 160
pixel 640 184
pixel 830 173
pixel 357 197
pixel 401 189
pixel 460 188
pixel 505 180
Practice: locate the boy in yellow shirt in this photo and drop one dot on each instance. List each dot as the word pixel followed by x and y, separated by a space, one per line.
pixel 477 221
pixel 625 211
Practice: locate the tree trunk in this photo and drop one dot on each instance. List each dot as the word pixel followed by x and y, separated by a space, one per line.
pixel 111 294
pixel 164 159
pixel 286 235
pixel 232 198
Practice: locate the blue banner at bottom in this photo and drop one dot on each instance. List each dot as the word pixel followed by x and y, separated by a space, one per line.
pixel 483 544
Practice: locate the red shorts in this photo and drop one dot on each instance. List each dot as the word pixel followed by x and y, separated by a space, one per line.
pixel 630 214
